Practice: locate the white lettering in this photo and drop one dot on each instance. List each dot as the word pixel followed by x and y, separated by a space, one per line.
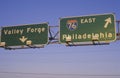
pixel 110 35
pixel 21 32
pixel 35 30
pixel 87 20
pixel 5 32
pixel 13 31
pixel 84 36
pixel 99 36
pixel 89 35
pixel 64 36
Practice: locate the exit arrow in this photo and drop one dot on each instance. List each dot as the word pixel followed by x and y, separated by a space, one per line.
pixel 108 21
pixel 23 39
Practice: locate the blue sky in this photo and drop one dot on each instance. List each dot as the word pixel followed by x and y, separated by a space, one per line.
pixel 57 60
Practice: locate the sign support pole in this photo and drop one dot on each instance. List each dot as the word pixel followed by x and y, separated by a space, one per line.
pixel 118 27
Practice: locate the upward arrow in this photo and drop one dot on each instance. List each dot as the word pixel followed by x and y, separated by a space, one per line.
pixel 23 39
pixel 108 20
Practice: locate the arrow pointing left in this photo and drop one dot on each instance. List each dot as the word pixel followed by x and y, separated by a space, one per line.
pixel 23 39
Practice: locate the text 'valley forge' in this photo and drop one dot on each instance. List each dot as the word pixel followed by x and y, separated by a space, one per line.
pixel 34 34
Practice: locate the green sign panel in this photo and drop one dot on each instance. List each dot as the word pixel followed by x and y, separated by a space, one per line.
pixel 34 34
pixel 88 28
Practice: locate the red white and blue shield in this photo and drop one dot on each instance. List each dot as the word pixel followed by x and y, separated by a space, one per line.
pixel 72 24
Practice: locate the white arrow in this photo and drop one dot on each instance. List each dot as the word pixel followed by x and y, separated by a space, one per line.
pixel 23 39
pixel 108 20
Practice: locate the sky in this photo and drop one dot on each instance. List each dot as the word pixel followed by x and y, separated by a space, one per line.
pixel 57 60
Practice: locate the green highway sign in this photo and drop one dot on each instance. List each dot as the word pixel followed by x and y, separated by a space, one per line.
pixel 88 28
pixel 34 34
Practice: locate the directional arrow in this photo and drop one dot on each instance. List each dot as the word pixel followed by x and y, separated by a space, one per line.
pixel 108 20
pixel 23 39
